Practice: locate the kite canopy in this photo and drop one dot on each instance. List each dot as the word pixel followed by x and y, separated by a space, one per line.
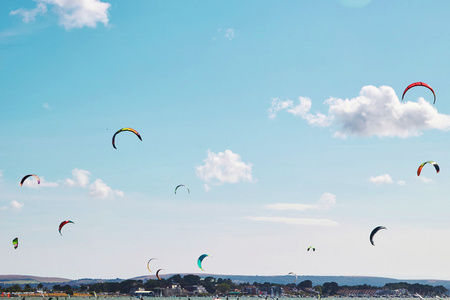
pixel 26 176
pixel 182 185
pixel 419 84
pixel 62 225
pixel 419 170
pixel 200 259
pixel 15 243
pixel 311 248
pixel 157 274
pixel 292 273
pixel 374 232
pixel 121 130
pixel 148 264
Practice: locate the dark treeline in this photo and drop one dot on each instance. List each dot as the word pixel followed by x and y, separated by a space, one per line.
pixel 225 286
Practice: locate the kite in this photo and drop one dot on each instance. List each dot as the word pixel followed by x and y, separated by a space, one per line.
pixel 419 84
pixel 148 264
pixel 15 243
pixel 311 247
pixel 182 185
pixel 62 224
pixel 157 274
pixel 26 176
pixel 292 273
pixel 200 259
pixel 124 129
pixel 428 162
pixel 374 232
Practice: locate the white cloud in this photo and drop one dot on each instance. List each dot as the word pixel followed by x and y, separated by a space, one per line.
pixel 230 34
pixel 401 182
pixel 325 202
pixel 99 189
pixel 425 180
pixel 385 178
pixel 32 183
pixel 72 13
pixel 29 15
pixel 80 178
pixel 224 167
pixel 13 205
pixel 375 112
pixel 296 221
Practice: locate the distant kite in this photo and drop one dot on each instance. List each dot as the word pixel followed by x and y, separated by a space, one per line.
pixel 62 225
pixel 15 243
pixel 428 162
pixel 372 234
pixel 26 176
pixel 124 129
pixel 292 273
pixel 200 259
pixel 148 264
pixel 419 84
pixel 157 274
pixel 311 248
pixel 184 186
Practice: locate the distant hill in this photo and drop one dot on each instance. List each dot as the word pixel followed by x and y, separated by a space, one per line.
pixel 276 279
pixel 316 280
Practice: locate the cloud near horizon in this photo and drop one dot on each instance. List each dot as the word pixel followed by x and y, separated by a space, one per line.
pixel 13 205
pixel 326 201
pixel 71 13
pixel 296 221
pixel 224 167
pixel 377 111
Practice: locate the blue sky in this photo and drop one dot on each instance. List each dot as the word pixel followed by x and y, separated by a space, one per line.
pixel 283 118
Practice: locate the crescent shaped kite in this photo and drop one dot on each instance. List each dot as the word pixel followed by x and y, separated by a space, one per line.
pixel 311 248
pixel 200 259
pixel 121 130
pixel 419 84
pixel 372 234
pixel 419 170
pixel 292 273
pixel 62 225
pixel 15 243
pixel 182 185
pixel 26 176
pixel 157 274
pixel 148 264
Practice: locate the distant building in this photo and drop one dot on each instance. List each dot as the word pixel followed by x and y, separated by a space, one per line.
pixel 196 289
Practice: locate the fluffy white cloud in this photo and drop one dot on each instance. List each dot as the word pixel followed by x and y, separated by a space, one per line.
pixel 425 180
pixel 296 221
pixel 13 205
pixel 224 167
pixel 230 34
pixel 325 202
pixel 401 182
pixel 375 112
pixel 29 15
pixel 99 189
pixel 72 13
pixel 385 178
pixel 30 182
pixel 80 178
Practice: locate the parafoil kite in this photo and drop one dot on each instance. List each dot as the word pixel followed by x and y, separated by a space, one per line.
pixel 374 232
pixel 428 162
pixel 311 248
pixel 184 186
pixel 148 264
pixel 200 259
pixel 419 84
pixel 15 243
pixel 26 176
pixel 64 223
pixel 157 274
pixel 124 129
pixel 292 273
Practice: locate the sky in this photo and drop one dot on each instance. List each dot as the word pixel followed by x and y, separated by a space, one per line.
pixel 284 119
